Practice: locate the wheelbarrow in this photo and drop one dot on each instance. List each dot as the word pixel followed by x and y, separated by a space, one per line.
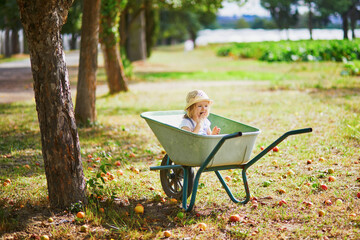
pixel 186 150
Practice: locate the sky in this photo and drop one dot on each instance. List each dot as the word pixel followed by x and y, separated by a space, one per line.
pixel 252 7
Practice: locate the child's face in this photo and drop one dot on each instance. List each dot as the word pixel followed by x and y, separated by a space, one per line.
pixel 201 109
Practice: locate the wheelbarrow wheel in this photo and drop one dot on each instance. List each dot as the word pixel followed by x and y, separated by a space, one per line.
pixel 172 180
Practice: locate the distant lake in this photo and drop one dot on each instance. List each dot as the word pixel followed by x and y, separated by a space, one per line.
pixel 258 35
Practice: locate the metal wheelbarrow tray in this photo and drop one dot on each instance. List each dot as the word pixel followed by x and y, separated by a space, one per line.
pixel 186 150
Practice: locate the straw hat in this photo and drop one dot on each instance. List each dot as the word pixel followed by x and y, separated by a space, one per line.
pixel 195 97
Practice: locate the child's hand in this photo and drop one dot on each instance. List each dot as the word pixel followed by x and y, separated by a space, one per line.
pixel 215 131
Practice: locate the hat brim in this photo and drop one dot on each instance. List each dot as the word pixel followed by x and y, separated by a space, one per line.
pixel 198 100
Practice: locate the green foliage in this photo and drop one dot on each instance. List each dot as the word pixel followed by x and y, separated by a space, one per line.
pixel 109 21
pixel 295 51
pixel 97 185
pixel 242 23
pixel 128 68
pixel 351 68
pixel 283 12
pixel 73 22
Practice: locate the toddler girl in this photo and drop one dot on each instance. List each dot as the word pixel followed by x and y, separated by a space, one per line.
pixel 197 110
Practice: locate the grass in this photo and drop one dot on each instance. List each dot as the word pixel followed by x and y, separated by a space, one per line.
pixel 274 97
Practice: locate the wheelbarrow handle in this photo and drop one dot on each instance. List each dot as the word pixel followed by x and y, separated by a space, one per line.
pixel 275 143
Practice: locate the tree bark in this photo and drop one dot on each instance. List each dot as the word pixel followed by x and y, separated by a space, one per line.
pixel 117 80
pixel 59 136
pixel 85 110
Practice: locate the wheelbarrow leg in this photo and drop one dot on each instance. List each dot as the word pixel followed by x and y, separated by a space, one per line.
pixel 194 190
pixel 228 191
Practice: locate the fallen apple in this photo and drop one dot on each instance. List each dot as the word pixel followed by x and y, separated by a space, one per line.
pixel 118 163
pixel 338 201
pixel 281 191
pixel 235 218
pixel 262 148
pixel 50 220
pixel 202 226
pixel 102 210
pixel 139 209
pixel 119 172
pixel 332 179
pixel 180 215
pixel 266 183
pixel 323 187
pixel 167 234
pixel 331 170
pixel 309 161
pixel 44 237
pixel 290 172
pixel 173 200
pixel 228 178
pixel 275 149
pixel 308 204
pixel 328 202
pixel 358 195
pixel 7 180
pixel 84 228
pixel 321 159
pixel 80 215
pixel 282 202
pixel 321 213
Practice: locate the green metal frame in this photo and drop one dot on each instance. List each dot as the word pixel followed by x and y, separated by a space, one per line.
pixel 244 167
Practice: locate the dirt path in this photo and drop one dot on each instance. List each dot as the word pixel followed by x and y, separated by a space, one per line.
pixel 16 82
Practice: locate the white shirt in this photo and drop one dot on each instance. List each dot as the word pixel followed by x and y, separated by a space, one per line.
pixel 191 124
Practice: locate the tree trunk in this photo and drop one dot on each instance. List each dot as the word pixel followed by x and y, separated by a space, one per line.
pixel 59 136
pixel 151 26
pixel 15 43
pixel 354 13
pixel 310 21
pixel 345 25
pixel 73 39
pixel 193 36
pixel 85 110
pixel 123 28
pixel 136 38
pixel 116 78
pixel 115 73
pixel 7 43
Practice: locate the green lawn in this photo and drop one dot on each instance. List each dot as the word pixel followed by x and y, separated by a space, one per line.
pixel 274 97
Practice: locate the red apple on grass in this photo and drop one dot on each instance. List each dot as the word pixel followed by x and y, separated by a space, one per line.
pixel 332 179
pixel 323 187
pixel 235 218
